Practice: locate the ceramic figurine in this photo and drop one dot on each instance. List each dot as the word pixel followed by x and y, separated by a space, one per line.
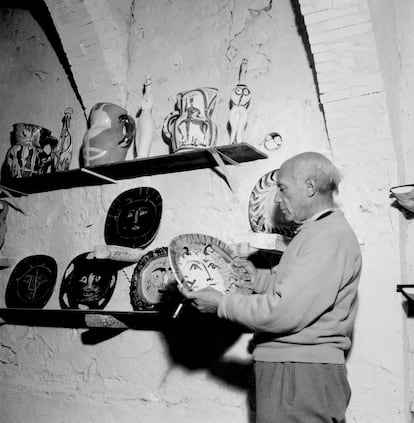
pixel 239 103
pixel 63 156
pixel 190 126
pixel 110 133
pixel 145 120
pixel 31 153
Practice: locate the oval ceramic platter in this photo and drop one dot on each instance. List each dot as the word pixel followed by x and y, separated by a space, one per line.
pixel 204 261
pixel 264 214
pixel 31 282
pixel 151 280
pixel 133 218
pixel 87 284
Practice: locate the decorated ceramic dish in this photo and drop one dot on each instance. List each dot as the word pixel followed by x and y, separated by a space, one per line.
pixel 264 214
pixel 133 218
pixel 31 282
pixel 203 261
pixel 151 280
pixel 87 283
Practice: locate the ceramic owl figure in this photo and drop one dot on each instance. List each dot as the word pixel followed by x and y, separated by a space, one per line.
pixel 239 103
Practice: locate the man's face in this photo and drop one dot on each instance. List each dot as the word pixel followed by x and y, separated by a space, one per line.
pixel 291 195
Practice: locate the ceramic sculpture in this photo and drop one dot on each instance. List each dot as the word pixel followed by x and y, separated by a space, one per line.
pixel 239 103
pixel 110 133
pixel 63 156
pixel 145 120
pixel 190 126
pixel 31 153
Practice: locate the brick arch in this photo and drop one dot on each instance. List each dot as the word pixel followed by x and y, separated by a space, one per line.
pixel 94 35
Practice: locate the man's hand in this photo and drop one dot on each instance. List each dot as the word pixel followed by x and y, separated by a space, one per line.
pixel 205 300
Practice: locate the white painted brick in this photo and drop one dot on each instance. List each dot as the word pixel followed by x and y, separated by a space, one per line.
pixel 335 95
pixel 328 15
pixel 337 23
pixel 339 34
pixel 310 6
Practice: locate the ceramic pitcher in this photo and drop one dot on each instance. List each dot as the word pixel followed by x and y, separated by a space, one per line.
pixel 32 151
pixel 110 133
pixel 190 126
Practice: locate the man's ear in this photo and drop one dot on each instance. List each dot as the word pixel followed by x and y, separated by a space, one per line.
pixel 310 187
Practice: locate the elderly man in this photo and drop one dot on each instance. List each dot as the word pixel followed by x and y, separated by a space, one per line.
pixel 303 314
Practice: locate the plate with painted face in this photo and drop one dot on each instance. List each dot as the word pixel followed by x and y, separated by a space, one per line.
pixel 133 218
pixel 202 261
pixel 265 214
pixel 152 281
pixel 31 282
pixel 87 284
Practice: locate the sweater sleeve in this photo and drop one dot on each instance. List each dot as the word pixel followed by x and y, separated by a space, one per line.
pixel 304 290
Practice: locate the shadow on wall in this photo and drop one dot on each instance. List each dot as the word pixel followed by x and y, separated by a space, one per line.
pixel 198 341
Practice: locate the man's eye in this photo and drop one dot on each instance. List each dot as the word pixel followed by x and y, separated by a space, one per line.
pixel 195 266
pixel 213 266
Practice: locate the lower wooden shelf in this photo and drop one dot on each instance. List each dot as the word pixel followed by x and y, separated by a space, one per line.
pixel 81 318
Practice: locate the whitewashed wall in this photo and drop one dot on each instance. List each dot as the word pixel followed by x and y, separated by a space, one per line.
pixel 51 375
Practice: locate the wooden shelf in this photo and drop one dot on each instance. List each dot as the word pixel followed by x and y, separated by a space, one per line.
pixel 80 318
pixel 111 173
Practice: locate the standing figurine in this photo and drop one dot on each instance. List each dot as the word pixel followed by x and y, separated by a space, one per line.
pixel 63 156
pixel 239 102
pixel 145 120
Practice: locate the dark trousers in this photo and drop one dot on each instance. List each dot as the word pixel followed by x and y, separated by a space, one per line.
pixel 301 392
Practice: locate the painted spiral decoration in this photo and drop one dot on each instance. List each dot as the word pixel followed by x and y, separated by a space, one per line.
pixel 264 214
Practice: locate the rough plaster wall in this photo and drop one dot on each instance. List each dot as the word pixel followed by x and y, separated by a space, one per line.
pixel 135 377
pixel 51 375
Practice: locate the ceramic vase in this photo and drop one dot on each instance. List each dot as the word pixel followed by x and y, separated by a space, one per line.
pixel 32 151
pixel 190 126
pixel 63 156
pixel 145 120
pixel 239 103
pixel 110 133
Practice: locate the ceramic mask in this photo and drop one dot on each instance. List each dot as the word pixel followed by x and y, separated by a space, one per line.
pixel 110 134
pixel 191 126
pixel 32 151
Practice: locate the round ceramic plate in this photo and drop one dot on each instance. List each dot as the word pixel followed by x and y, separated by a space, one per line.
pixel 31 282
pixel 151 280
pixel 204 261
pixel 87 283
pixel 264 214
pixel 133 218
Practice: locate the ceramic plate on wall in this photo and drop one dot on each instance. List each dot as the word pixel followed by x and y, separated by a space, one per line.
pixel 133 218
pixel 87 284
pixel 264 214
pixel 151 280
pixel 31 282
pixel 204 261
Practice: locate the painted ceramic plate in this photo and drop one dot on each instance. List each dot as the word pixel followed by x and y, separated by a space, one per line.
pixel 151 280
pixel 31 282
pixel 87 283
pixel 204 261
pixel 264 214
pixel 133 218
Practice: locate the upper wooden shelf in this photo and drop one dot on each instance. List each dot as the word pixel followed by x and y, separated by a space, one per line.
pixel 110 173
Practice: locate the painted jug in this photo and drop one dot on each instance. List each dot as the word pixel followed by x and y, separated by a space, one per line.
pixel 111 131
pixel 190 126
pixel 32 151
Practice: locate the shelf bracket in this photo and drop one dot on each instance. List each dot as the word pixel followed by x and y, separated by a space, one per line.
pixel 216 156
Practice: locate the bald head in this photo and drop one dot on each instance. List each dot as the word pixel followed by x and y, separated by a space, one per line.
pixel 306 185
pixel 315 166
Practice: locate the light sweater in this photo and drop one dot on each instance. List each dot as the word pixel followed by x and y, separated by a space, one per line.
pixel 306 310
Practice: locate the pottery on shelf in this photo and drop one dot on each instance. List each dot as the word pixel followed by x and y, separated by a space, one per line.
pixel 239 103
pixel 145 120
pixel 32 151
pixel 190 126
pixel 63 155
pixel 110 133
